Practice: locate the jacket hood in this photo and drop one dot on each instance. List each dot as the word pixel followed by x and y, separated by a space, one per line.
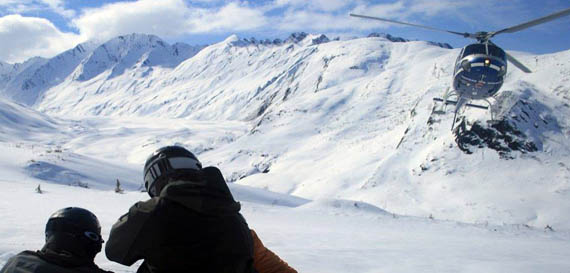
pixel 209 195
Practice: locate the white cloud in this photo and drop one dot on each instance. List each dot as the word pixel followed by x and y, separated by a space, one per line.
pixel 17 7
pixel 24 37
pixel 165 18
pixel 9 2
pixel 172 19
pixel 28 6
pixel 427 12
pixel 410 9
pixel 58 7
pixel 392 10
pixel 315 5
pixel 232 17
pixel 300 20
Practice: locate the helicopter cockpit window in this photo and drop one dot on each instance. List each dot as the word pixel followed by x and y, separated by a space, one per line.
pixel 474 49
pixel 497 52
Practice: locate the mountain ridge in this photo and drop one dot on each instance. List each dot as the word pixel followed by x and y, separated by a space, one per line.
pixel 26 82
pixel 348 119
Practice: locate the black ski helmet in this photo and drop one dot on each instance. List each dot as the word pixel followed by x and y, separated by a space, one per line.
pixel 76 221
pixel 165 162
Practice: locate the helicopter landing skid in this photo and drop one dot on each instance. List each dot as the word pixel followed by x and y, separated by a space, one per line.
pixel 446 101
pixel 455 103
pixel 459 103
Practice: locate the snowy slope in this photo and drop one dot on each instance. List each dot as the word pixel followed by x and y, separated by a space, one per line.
pixel 326 235
pixel 333 148
pixel 40 140
pixel 20 123
pixel 5 68
pixel 124 52
pixel 337 119
pixel 14 78
pixel 26 82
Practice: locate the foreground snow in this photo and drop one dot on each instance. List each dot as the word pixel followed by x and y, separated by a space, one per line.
pixel 324 235
pixel 320 236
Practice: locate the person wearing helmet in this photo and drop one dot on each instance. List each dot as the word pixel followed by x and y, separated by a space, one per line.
pixel 191 223
pixel 73 239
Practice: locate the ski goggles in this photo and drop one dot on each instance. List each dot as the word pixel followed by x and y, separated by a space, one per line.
pixel 165 165
pixel 93 236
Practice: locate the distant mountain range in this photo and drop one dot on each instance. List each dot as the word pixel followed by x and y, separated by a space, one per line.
pixel 26 82
pixel 350 119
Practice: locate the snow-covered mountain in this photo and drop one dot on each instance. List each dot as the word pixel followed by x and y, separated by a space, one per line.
pixel 129 52
pixel 27 82
pixel 321 118
pixel 15 76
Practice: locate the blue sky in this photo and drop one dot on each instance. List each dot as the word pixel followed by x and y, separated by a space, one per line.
pixel 47 27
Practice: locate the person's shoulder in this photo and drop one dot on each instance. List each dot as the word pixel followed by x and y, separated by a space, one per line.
pixel 27 261
pixel 31 261
pixel 26 254
pixel 146 206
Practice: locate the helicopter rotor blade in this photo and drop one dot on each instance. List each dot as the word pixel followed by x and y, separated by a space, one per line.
pixel 466 35
pixel 532 23
pixel 514 61
pixel 517 63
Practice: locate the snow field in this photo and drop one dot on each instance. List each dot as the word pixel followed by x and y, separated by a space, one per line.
pixel 321 236
pixel 332 148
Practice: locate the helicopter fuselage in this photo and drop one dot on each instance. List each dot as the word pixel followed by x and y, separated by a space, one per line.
pixel 479 71
pixel 480 68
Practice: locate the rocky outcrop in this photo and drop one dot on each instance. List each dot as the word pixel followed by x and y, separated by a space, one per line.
pixel 520 128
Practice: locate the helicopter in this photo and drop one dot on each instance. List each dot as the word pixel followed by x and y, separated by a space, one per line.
pixel 480 67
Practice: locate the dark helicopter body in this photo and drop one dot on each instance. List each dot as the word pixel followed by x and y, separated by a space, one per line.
pixel 480 68
pixel 479 71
